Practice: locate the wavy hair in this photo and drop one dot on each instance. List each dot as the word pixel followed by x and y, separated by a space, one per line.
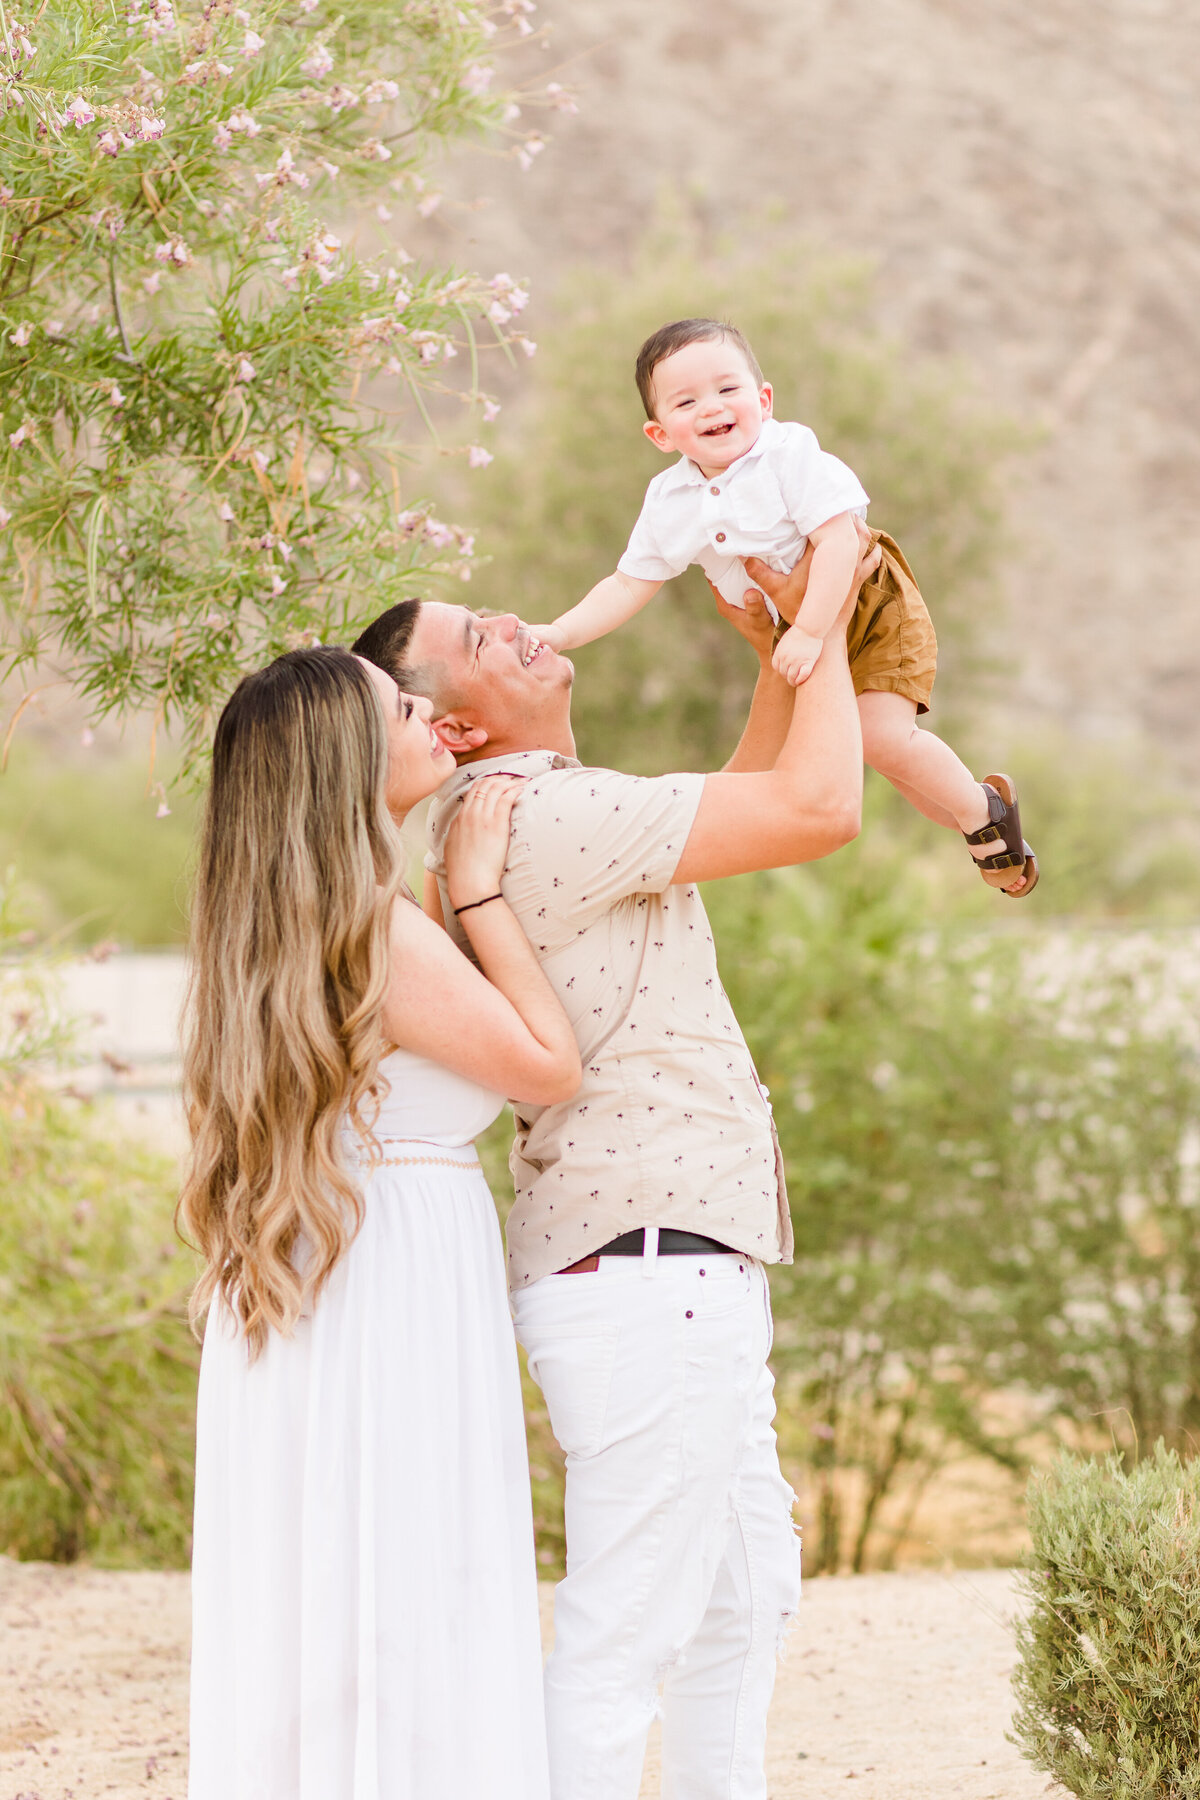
pixel 299 867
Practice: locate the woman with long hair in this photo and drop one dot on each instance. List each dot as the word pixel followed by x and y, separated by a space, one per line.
pixel 364 1601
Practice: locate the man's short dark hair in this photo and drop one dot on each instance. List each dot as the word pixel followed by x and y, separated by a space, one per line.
pixel 387 643
pixel 676 336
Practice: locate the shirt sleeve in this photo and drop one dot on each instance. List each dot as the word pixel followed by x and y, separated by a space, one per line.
pixel 815 485
pixel 643 557
pixel 594 836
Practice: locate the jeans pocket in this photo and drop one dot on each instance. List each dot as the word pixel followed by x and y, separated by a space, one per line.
pixel 573 1366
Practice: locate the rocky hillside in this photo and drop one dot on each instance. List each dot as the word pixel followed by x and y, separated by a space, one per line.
pixel 1028 181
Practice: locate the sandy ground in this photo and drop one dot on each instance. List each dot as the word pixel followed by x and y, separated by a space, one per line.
pixel 896 1682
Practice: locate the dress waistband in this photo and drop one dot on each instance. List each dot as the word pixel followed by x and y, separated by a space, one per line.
pixel 408 1152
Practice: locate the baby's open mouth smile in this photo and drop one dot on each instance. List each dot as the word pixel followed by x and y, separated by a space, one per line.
pixel 717 430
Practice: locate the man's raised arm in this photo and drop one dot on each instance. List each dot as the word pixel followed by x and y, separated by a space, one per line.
pixel 809 804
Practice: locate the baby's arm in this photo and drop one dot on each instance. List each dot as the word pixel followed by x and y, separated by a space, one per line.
pixel 611 602
pixel 835 558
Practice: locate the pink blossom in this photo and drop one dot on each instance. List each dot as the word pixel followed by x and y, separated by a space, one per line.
pixel 5 517
pixel 318 62
pixel 54 327
pixel 374 151
pixel 278 584
pixel 499 315
pixel 307 6
pixel 560 99
pixel 245 370
pixel 109 142
pixel 115 396
pixel 477 78
pixel 24 431
pixel 80 113
pixel 285 550
pixel 409 522
pixel 271 228
pixel 533 146
pixel 153 281
pixel 241 120
pixel 164 811
pixel 428 204
pixel 478 457
pixel 378 91
pixel 511 113
pixel 22 334
pixel 339 98
pixel 466 541
pixel 330 169
pixel 527 344
pixel 150 129
pixel 222 136
pixel 226 513
pixel 261 460
pixel 437 534
pixel 491 411
pixel 87 738
pixel 383 213
pixel 252 44
pixel 290 277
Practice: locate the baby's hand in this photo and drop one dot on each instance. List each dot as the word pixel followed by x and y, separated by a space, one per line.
pixel 553 636
pixel 796 655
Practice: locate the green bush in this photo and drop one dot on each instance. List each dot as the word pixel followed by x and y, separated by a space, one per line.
pixel 1108 1685
pixel 97 1364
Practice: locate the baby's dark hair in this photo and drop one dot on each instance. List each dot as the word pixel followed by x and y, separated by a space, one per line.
pixel 676 336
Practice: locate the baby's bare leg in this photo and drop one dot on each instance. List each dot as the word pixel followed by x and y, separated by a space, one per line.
pixel 923 769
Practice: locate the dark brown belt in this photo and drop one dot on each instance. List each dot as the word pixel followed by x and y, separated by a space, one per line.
pixel 633 1243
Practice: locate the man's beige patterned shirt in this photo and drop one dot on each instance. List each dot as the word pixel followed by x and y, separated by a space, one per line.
pixel 670 1126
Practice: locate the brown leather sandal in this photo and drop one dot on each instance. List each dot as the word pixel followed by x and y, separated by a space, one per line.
pixel 1004 827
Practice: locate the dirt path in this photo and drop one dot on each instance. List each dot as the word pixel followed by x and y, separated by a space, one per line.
pixel 897 1682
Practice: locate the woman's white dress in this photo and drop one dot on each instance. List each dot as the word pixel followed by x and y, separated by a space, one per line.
pixel 364 1597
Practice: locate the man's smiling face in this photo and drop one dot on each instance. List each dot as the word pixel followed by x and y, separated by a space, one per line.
pixel 492 678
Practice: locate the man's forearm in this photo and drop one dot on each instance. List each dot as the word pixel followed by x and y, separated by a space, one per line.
pixel 766 727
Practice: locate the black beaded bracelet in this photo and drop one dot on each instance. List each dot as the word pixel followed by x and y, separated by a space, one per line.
pixel 486 901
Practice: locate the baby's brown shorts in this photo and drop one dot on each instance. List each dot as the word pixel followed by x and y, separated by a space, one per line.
pixel 891 641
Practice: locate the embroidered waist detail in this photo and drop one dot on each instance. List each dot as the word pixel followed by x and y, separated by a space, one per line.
pixel 409 1152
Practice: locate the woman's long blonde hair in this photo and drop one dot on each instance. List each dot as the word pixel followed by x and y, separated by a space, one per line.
pixel 300 865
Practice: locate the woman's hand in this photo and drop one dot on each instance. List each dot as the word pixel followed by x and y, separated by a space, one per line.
pixel 477 842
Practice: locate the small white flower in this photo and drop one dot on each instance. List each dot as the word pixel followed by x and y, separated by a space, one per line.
pixel 448 351
pixel 383 213
pixel 22 334
pixel 307 6
pixel 87 737
pixel 428 204
pixel 271 228
pixel 378 91
pixel 331 169
pixel 241 120
pixel 261 460
pixel 511 113
pixel 437 534
pixel 285 550
pixel 278 585
pixel 54 327
pixel 222 136
pixel 290 277
pixel 409 522
pixel 153 281
pixel 374 151
pixel 226 513
pixel 241 17
pixel 533 146
pixel 527 344
pixel 164 811
pixel 478 457
pixel 115 396
pixel 491 411
pixel 339 98
pixel 5 517
pixel 79 112
pixel 23 432
pixel 318 62
pixel 252 44
pixel 477 78
pixel 245 370
pixel 560 99
pixel 498 314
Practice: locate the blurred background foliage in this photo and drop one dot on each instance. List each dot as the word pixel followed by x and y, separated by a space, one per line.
pixel 989 1114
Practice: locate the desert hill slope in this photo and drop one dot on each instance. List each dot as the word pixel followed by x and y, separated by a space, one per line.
pixel 1028 183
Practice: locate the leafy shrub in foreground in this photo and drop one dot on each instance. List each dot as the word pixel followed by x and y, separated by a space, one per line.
pixel 1108 1685
pixel 97 1365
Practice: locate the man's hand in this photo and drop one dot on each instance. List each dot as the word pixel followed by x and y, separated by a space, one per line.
pixel 751 620
pixel 787 591
pixel 796 655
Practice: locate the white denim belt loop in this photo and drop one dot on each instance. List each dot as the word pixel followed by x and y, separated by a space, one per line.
pixel 650 1250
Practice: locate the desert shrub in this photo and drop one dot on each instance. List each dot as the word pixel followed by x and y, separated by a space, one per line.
pixel 1108 1685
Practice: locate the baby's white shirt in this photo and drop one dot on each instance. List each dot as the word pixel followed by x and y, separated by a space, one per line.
pixel 764 504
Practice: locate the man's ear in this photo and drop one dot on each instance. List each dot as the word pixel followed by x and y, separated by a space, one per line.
pixel 658 436
pixel 458 734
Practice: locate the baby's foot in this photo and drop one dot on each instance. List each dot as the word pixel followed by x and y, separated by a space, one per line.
pixel 994 838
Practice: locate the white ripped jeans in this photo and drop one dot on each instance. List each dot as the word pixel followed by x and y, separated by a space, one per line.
pixel 683 1566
